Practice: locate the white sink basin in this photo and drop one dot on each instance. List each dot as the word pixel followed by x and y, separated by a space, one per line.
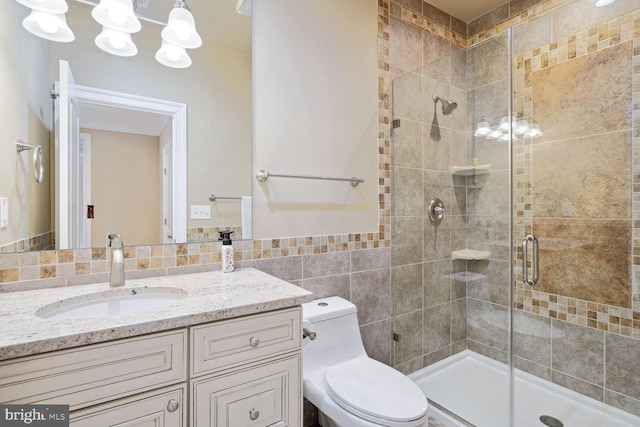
pixel 114 302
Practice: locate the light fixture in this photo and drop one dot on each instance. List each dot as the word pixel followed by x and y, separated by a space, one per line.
pixel 522 127
pixel 118 19
pixel 602 3
pixel 48 26
pixel 116 42
pixel 173 56
pixel 534 131
pixel 483 128
pixel 117 15
pixel 56 7
pixel 499 129
pixel 181 27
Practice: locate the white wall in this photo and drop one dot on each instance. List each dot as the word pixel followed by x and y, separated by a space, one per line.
pixel 315 113
pixel 25 112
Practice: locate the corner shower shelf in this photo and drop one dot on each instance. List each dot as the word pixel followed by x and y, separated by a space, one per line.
pixel 470 170
pixel 470 254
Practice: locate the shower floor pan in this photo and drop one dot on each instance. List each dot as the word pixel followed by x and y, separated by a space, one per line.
pixel 476 389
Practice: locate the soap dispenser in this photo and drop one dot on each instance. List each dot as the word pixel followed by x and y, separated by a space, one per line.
pixel 227 251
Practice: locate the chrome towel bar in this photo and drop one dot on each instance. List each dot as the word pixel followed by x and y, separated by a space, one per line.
pixel 213 198
pixel 262 176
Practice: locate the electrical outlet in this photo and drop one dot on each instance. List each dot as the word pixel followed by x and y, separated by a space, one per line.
pixel 4 212
pixel 200 212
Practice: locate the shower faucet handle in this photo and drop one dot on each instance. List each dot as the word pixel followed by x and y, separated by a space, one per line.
pixel 436 210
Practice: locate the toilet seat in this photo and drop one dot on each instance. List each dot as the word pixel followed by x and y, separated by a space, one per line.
pixel 376 392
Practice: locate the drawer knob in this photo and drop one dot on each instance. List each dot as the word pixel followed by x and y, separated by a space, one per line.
pixel 254 414
pixel 173 405
pixel 254 341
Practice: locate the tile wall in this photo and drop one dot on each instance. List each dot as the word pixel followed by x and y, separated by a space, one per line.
pixel 429 303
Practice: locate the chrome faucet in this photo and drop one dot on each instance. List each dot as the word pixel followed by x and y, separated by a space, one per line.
pixel 116 276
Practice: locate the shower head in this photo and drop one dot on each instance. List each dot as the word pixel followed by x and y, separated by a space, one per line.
pixel 448 107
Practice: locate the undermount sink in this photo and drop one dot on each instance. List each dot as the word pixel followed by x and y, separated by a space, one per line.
pixel 114 302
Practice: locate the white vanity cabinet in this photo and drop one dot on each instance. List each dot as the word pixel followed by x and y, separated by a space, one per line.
pixel 247 371
pixel 242 371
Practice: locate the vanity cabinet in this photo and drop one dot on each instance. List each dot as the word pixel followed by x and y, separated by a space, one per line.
pixel 238 372
pixel 247 371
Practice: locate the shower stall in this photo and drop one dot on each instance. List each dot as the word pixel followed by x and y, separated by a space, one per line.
pixel 514 217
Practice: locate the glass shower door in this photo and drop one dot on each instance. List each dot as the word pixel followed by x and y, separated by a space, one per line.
pixel 576 333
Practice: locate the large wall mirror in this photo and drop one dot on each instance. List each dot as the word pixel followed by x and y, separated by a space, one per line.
pixel 126 175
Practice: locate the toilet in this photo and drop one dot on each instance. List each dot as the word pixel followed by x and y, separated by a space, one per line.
pixel 348 387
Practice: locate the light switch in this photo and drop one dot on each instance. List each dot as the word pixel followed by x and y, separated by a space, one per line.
pixel 4 212
pixel 200 212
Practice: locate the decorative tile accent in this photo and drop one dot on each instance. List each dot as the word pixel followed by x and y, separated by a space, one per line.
pixel 200 234
pixel 433 27
pixel 41 242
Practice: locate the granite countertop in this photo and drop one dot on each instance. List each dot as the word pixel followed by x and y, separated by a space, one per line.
pixel 209 297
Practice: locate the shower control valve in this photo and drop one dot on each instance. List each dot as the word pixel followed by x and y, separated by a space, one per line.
pixel 436 210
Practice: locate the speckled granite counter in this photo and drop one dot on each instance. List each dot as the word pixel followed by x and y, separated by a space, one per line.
pixel 211 296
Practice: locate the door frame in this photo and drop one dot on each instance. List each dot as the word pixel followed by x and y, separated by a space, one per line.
pixel 178 113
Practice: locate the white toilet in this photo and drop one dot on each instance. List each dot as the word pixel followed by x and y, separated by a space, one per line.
pixel 349 388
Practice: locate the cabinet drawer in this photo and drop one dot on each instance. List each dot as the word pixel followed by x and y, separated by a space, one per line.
pixel 265 395
pixel 161 408
pixel 96 373
pixel 238 341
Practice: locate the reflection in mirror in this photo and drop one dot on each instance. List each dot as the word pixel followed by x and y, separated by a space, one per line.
pixel 216 91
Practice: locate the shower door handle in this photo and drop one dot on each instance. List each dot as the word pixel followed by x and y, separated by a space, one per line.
pixel 534 259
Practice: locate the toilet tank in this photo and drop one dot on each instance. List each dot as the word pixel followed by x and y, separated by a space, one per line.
pixel 335 322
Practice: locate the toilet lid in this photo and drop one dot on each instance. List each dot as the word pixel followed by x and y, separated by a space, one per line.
pixel 376 392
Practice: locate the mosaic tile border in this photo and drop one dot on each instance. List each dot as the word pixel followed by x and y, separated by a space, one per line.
pixel 524 16
pixel 586 313
pixel 424 23
pixel 200 234
pixel 80 266
pixel 40 242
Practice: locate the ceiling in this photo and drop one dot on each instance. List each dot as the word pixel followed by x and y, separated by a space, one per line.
pixel 467 10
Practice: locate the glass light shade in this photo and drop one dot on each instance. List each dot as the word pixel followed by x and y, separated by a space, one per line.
pixel 534 131
pixel 117 15
pixel 56 7
pixel 504 123
pixel 48 26
pixel 601 3
pixel 482 129
pixel 116 42
pixel 181 29
pixel 505 137
pixel 495 133
pixel 173 56
pixel 522 127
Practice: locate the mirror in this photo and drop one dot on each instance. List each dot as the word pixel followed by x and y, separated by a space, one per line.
pixel 216 91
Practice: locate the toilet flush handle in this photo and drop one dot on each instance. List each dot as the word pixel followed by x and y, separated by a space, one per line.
pixel 306 333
